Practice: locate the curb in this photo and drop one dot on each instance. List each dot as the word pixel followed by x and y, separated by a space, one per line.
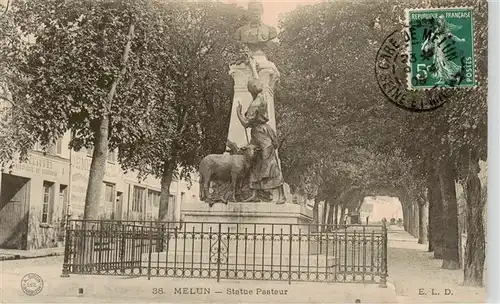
pixel 11 257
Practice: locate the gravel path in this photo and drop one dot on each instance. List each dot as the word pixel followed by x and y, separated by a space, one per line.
pixel 418 277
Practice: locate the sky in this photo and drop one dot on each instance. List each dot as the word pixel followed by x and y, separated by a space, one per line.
pixel 384 206
pixel 273 9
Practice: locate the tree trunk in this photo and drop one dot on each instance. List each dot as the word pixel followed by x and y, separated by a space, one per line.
pixel 405 216
pixel 422 222
pixel 412 219
pixel 97 170
pixel 450 215
pixel 430 230
pixel 166 181
pixel 408 219
pixel 330 217
pixel 342 214
pixel 315 215
pixel 416 226
pixel 101 140
pixel 336 215
pixel 435 214
pixel 475 245
pixel 94 188
pixel 325 212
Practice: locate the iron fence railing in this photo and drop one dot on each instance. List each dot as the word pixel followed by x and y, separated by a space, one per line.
pixel 240 251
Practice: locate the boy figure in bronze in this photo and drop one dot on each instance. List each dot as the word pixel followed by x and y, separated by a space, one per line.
pixel 265 173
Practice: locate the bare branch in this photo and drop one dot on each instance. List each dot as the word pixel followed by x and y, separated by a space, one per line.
pixel 126 52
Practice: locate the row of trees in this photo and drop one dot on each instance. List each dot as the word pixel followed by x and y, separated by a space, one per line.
pixel 329 103
pixel 150 78
pixel 146 77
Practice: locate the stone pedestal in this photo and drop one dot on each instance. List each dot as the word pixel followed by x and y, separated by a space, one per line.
pixel 241 216
pixel 263 230
pixel 237 133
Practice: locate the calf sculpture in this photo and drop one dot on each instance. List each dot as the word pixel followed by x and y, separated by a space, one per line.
pixel 222 167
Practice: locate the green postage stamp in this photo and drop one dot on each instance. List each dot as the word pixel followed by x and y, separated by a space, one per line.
pixel 441 48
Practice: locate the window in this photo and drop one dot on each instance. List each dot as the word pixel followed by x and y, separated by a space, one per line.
pixel 112 156
pixel 153 203
pixel 172 200
pixel 63 199
pixel 138 200
pixel 109 192
pixel 52 149
pixel 38 147
pixel 149 206
pixel 154 198
pixel 118 206
pixel 109 201
pixel 48 201
pixel 59 146
pixel 182 197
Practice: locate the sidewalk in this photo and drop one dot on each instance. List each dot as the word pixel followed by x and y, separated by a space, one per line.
pixel 122 289
pixel 14 254
pixel 418 277
pixel 105 289
pixel 414 277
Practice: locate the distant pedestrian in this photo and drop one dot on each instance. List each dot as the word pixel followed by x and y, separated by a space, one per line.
pixel 367 219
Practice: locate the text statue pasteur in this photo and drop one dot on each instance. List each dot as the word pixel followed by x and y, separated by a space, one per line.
pixel 301 151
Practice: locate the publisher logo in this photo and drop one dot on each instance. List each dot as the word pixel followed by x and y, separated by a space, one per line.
pixel 32 284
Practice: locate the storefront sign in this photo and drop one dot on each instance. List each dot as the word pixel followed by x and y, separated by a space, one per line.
pixel 42 166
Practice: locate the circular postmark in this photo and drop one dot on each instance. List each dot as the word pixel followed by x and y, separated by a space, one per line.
pixel 393 73
pixel 32 284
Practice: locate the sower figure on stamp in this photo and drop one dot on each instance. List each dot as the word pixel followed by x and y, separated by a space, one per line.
pixel 443 68
pixel 265 174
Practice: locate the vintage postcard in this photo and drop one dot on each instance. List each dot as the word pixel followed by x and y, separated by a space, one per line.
pixel 241 151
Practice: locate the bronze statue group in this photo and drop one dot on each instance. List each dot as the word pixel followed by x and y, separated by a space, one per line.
pixel 257 165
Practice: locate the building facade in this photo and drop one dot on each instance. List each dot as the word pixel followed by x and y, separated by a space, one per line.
pixel 38 195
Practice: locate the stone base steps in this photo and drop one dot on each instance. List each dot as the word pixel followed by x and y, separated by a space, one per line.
pixel 240 260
